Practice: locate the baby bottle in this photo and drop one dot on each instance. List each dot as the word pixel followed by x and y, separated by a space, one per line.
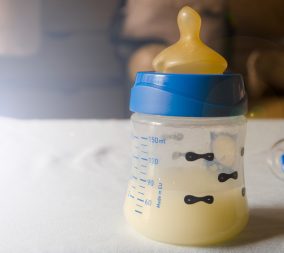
pixel 187 182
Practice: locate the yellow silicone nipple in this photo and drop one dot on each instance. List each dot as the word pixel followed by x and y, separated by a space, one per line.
pixel 189 54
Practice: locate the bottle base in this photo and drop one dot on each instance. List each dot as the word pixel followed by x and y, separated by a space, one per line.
pixel 191 239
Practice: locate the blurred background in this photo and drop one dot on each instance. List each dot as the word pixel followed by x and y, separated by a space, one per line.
pixel 78 58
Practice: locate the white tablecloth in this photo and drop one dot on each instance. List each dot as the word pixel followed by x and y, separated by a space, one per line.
pixel 62 186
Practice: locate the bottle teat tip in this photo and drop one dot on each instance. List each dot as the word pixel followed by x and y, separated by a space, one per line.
pixel 189 54
pixel 189 23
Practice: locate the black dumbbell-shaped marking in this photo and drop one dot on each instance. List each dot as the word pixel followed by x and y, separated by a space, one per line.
pixel 242 151
pixel 243 191
pixel 223 177
pixel 190 199
pixel 191 156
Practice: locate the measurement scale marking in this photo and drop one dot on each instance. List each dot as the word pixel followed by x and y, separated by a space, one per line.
pixel 143 165
pixel 136 137
pixel 141 186
pixel 135 177
pixel 143 180
pixel 144 159
pixel 142 172
pixel 137 211
pixel 141 200
pixel 132 186
pixel 141 193
pixel 130 195
pixel 136 157
pixel 145 152
pixel 139 205
pixel 144 138
pixel 144 145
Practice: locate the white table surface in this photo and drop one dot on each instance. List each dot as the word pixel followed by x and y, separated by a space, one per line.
pixel 62 186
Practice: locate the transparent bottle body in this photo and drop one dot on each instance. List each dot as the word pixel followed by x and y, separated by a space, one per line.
pixel 187 179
